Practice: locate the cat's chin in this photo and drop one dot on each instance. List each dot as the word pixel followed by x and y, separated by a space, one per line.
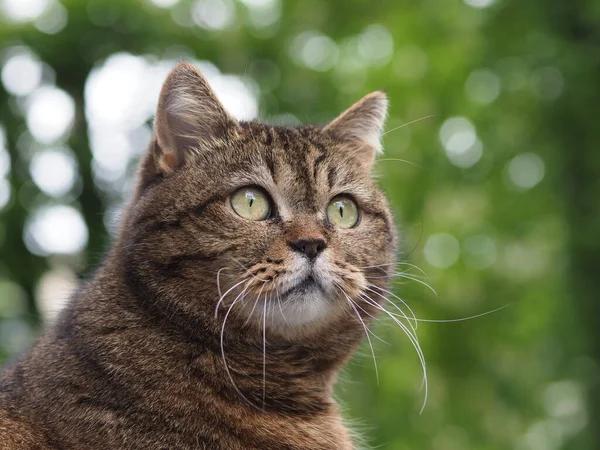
pixel 302 307
pixel 298 311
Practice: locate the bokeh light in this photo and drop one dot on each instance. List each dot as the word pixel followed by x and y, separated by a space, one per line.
pixel 483 86
pixel 54 171
pixel 164 3
pixel 213 14
pixel 21 71
pixel 480 3
pixel 314 50
pixel 4 156
pixel 56 229
pixel 54 19
pixel 526 170
pixel 262 13
pixel 375 45
pixel 460 141
pixel 53 291
pixel 5 193
pixel 479 251
pixel 441 250
pixel 23 10
pixel 50 114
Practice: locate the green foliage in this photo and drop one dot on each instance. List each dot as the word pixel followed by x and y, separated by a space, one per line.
pixel 490 164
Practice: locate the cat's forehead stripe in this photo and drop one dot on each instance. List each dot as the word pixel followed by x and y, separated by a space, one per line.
pixel 299 164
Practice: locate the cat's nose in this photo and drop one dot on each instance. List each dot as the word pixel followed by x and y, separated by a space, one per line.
pixel 310 247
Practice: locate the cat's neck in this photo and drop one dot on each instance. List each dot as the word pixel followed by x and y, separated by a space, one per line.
pixel 157 355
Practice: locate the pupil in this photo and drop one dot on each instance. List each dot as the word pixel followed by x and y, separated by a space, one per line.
pixel 250 199
pixel 341 211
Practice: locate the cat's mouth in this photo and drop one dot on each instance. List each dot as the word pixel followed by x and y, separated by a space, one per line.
pixel 307 285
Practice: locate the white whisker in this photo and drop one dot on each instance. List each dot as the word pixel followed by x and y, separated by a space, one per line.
pixel 222 297
pixel 219 283
pixel 225 359
pixel 401 160
pixel 400 263
pixel 264 361
pixel 280 306
pixel 351 303
pixel 404 275
pixel 415 343
pixel 370 287
pixel 463 318
pixel 408 123
pixel 370 315
pixel 254 307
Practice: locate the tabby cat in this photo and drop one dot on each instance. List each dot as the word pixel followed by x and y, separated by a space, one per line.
pixel 239 284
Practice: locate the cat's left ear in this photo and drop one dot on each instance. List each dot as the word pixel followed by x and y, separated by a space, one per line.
pixel 361 126
pixel 189 118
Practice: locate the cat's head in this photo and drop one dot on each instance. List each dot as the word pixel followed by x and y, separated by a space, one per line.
pixel 259 223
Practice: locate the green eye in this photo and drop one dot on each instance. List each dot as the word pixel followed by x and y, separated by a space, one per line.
pixel 342 212
pixel 251 203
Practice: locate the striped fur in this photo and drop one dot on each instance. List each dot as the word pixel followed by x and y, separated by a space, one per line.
pixel 142 357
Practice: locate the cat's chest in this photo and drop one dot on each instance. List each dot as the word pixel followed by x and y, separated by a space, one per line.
pixel 148 433
pixel 205 426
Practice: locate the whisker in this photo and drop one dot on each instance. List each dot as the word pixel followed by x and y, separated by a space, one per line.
pixel 464 318
pixel 264 361
pixel 401 126
pixel 254 307
pixel 219 283
pixel 222 297
pixel 402 160
pixel 421 356
pixel 391 275
pixel 412 313
pixel 280 307
pixel 366 333
pixel 408 123
pixel 406 276
pixel 225 359
pixel 414 266
pixel 403 275
pixel 398 263
pixel 415 343
pixel 370 315
pixel 401 315
pixel 380 307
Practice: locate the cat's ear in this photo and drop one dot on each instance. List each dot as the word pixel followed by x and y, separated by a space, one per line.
pixel 189 118
pixel 361 126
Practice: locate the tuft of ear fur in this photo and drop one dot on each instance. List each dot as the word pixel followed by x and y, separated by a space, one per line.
pixel 189 117
pixel 361 125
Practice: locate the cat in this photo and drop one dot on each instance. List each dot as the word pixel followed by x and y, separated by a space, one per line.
pixel 239 284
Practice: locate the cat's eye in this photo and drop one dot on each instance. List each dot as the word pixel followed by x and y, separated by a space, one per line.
pixel 251 203
pixel 342 212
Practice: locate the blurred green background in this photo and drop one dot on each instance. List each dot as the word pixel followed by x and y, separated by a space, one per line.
pixel 497 194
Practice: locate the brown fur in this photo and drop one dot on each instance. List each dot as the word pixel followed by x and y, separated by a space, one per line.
pixel 135 360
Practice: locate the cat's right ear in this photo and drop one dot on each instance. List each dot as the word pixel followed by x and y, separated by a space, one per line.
pixel 189 118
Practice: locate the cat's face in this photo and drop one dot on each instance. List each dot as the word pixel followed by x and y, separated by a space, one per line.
pixel 259 224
